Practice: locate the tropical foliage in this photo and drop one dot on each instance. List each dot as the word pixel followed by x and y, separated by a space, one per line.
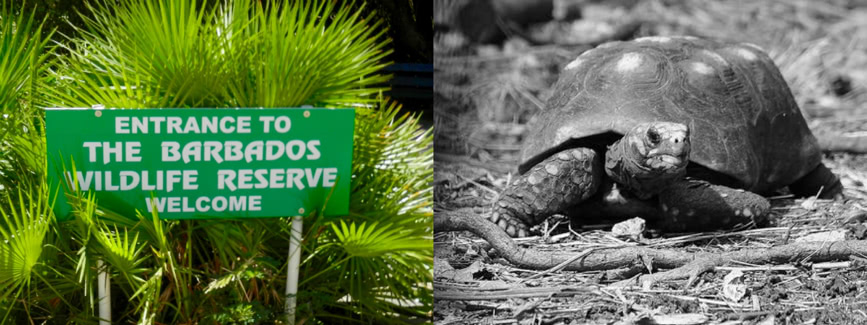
pixel 372 265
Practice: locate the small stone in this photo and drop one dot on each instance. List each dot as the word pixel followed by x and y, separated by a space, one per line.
pixel 809 203
pixel 632 228
pixel 737 212
pixel 748 213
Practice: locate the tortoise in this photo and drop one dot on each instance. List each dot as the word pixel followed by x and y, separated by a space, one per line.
pixel 688 130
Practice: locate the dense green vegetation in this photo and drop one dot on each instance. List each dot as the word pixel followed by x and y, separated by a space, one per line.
pixel 371 266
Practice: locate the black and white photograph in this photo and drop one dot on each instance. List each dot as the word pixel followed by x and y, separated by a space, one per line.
pixel 650 162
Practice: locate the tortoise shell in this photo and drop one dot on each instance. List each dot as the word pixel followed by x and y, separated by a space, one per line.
pixel 743 120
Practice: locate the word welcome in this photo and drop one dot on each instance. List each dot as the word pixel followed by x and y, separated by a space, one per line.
pixel 205 204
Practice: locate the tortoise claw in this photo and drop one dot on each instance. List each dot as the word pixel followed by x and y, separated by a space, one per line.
pixel 513 227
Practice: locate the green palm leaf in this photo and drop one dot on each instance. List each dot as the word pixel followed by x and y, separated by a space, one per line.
pixel 374 239
pixel 22 231
pixel 22 58
pixel 173 53
pixel 294 55
pixel 379 257
pixel 24 52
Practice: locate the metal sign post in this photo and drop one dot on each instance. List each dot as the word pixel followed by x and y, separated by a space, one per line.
pixel 294 267
pixel 103 294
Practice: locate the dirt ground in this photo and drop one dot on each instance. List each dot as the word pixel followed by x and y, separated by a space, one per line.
pixel 487 88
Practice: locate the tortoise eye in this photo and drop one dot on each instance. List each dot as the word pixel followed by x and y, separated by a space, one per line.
pixel 653 136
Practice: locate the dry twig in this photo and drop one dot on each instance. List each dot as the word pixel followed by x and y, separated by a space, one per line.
pixel 680 264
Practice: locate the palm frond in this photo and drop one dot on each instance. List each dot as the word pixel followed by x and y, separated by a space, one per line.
pixel 392 166
pixel 23 53
pixel 22 232
pixel 122 253
pixel 374 239
pixel 305 53
pixel 386 241
pixel 173 53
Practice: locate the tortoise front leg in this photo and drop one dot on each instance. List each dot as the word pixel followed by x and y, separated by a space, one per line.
pixel 696 205
pixel 556 183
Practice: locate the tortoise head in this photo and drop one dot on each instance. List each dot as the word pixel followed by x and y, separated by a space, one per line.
pixel 649 157
pixel 660 146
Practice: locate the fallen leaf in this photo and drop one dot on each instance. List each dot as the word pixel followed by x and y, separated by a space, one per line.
pixel 734 288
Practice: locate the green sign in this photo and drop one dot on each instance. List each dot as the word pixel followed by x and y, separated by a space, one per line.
pixel 204 163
